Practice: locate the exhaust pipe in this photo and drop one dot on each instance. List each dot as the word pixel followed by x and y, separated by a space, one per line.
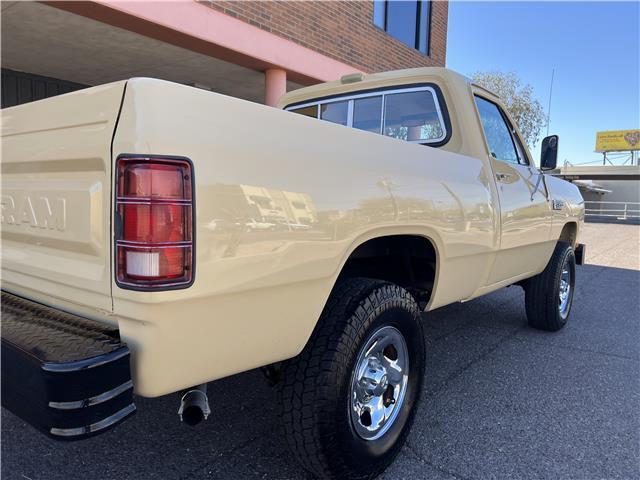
pixel 194 406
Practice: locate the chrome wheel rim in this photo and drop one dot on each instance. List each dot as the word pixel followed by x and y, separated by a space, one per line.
pixel 379 383
pixel 565 291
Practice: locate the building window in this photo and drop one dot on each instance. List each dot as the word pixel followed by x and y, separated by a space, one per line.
pixel 18 87
pixel 407 21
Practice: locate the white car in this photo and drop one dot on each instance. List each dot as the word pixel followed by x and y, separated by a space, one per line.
pixel 255 225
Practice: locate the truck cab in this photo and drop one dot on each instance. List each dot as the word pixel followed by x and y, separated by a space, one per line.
pixel 439 108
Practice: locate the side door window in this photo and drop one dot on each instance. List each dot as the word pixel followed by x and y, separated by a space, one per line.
pixel 522 156
pixel 497 132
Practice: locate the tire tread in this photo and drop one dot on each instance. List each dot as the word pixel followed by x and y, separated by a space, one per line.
pixel 540 293
pixel 311 379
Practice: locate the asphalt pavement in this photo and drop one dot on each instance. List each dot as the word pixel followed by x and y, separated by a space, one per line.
pixel 501 400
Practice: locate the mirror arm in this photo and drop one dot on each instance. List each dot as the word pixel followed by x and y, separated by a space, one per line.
pixel 535 189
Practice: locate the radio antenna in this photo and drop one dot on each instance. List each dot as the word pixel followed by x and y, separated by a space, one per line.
pixel 553 71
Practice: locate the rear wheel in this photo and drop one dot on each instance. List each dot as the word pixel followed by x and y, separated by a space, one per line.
pixel 549 295
pixel 348 399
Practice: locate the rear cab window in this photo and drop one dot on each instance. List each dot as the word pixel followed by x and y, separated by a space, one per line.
pixel 310 111
pixel 335 112
pixel 415 114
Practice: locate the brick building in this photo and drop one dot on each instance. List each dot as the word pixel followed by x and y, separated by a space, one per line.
pixel 254 50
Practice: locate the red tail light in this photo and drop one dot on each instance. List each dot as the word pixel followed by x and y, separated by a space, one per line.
pixel 154 237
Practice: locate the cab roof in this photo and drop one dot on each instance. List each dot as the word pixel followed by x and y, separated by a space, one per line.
pixel 357 82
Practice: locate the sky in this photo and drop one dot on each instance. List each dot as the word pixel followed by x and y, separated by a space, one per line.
pixel 593 46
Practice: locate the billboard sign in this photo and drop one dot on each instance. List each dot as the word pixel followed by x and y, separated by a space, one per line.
pixel 618 141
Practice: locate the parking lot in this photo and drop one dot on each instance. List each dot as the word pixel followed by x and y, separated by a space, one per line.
pixel 500 400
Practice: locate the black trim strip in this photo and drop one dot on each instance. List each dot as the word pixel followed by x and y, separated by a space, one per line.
pixel 87 363
pixel 96 400
pixel 112 188
pixel 94 427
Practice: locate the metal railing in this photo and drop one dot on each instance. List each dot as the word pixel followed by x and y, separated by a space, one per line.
pixel 616 210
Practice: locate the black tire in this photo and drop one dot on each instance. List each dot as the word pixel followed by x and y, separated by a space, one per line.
pixel 542 292
pixel 316 388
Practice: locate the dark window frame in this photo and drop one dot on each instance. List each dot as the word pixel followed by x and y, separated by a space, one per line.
pixel 422 42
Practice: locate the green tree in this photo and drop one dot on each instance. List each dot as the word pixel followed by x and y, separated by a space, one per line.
pixel 518 98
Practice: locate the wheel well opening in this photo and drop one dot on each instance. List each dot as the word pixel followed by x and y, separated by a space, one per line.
pixel 406 260
pixel 569 233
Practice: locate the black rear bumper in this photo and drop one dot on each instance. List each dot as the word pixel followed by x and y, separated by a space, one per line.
pixel 65 375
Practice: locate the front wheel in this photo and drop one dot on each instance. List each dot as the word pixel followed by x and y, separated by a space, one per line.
pixel 549 295
pixel 347 401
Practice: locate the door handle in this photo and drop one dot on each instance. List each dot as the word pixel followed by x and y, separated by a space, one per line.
pixel 504 177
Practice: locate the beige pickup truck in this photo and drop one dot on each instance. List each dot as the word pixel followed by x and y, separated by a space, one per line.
pixel 157 237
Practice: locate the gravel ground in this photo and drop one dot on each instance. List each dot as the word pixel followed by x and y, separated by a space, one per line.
pixel 500 400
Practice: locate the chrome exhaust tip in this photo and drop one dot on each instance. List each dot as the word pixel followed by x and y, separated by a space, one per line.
pixel 194 406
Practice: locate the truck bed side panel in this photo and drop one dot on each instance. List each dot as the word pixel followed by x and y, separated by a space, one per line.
pixel 282 200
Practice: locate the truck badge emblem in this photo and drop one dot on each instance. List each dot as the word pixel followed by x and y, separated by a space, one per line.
pixel 37 212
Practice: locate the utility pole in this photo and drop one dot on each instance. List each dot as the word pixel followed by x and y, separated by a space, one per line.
pixel 553 71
